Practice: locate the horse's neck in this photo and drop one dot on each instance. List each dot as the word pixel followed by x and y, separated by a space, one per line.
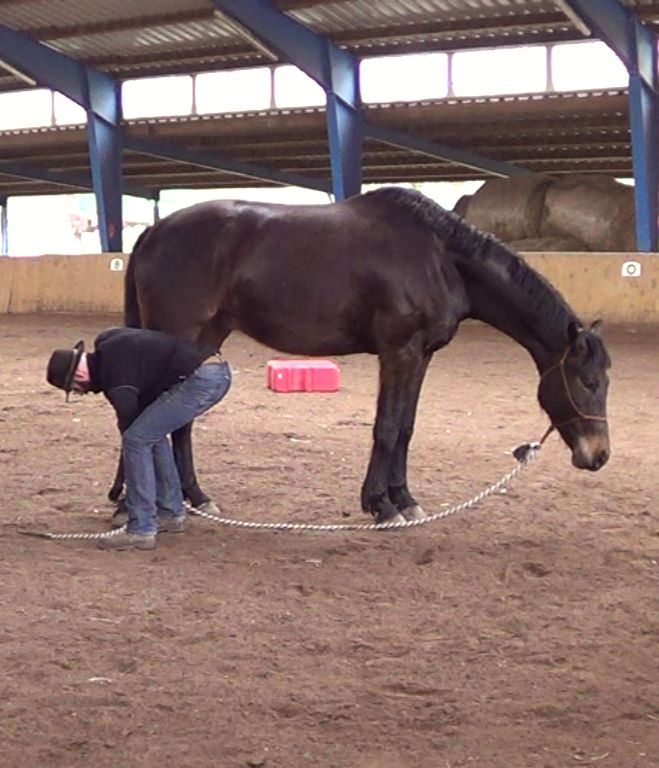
pixel 537 322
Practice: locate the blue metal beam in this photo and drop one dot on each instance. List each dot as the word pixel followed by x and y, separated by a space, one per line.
pixel 4 227
pixel 617 26
pixel 344 130
pixel 335 70
pixel 55 70
pixel 644 112
pixel 218 162
pixel 450 154
pixel 100 96
pixel 636 46
pixel 156 206
pixel 76 180
pixel 105 155
pixel 344 124
pixel 292 41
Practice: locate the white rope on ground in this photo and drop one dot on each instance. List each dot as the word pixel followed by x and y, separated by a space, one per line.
pixel 533 449
pixel 524 455
pixel 71 536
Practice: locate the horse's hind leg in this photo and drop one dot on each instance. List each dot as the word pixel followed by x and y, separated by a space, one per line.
pixel 118 484
pixel 182 445
pixel 399 492
pixel 211 334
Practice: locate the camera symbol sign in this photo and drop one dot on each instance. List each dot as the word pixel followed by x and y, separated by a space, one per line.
pixel 631 269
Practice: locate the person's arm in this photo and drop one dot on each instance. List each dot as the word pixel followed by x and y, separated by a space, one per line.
pixel 125 401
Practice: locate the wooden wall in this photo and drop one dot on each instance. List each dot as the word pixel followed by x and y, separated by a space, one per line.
pixel 61 284
pixel 591 282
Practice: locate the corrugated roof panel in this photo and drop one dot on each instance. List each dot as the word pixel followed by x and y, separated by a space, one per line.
pixel 157 39
pixel 58 14
pixel 440 24
pixel 363 14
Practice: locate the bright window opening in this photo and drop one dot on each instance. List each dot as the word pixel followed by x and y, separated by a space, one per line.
pixel 293 88
pixel 413 77
pixel 506 70
pixel 67 112
pixel 237 90
pixel 580 66
pixel 25 109
pixel 157 96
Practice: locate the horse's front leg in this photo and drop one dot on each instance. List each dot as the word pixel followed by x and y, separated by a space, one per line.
pixel 392 404
pixel 182 445
pixel 399 492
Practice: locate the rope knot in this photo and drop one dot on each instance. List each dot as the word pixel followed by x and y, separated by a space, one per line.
pixel 525 452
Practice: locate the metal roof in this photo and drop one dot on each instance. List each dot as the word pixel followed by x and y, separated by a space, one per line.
pixel 126 38
pixel 551 132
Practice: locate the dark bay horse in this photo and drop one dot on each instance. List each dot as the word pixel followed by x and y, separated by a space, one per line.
pixel 388 272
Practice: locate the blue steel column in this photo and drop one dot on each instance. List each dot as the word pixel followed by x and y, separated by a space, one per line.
pixel 156 207
pixel 344 125
pixel 644 112
pixel 335 70
pixel 105 154
pixel 98 94
pixel 4 227
pixel 636 45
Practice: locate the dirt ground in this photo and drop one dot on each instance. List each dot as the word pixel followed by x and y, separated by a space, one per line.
pixel 521 634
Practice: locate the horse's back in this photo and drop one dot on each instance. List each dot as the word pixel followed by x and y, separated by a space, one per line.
pixel 320 279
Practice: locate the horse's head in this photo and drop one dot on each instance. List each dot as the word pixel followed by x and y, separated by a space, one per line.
pixel 573 393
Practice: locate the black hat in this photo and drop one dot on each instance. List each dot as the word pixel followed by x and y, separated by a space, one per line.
pixel 62 365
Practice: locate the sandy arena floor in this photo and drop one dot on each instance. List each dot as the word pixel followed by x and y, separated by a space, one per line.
pixel 521 634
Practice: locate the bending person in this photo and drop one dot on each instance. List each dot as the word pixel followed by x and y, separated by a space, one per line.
pixel 156 383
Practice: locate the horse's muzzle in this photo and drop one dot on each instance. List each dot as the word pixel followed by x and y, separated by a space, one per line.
pixel 590 454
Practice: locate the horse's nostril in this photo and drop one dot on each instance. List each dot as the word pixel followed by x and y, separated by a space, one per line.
pixel 600 459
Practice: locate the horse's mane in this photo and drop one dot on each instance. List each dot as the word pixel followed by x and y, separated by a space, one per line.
pixel 482 254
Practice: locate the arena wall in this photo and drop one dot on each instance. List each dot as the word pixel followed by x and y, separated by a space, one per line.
pixel 593 284
pixel 61 284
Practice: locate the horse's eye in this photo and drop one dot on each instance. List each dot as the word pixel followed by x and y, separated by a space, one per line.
pixel 590 384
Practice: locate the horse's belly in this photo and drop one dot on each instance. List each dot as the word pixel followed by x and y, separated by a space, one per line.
pixel 298 335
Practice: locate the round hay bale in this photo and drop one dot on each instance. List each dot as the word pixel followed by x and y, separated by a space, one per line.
pixel 509 208
pixel 599 211
pixel 462 206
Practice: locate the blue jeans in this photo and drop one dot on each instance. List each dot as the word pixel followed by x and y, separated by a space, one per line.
pixel 150 473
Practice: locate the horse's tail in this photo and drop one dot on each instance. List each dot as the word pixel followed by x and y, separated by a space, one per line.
pixel 132 317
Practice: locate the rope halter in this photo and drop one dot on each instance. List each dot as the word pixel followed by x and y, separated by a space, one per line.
pixel 579 414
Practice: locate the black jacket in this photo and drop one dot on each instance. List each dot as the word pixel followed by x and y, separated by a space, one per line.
pixel 133 367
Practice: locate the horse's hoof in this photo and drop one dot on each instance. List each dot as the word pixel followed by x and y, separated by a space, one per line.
pixel 207 508
pixel 413 513
pixel 397 518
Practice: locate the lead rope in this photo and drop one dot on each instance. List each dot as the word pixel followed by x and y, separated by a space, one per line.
pixel 523 454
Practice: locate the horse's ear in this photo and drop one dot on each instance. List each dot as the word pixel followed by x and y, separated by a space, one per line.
pixel 573 331
pixel 597 327
pixel 578 343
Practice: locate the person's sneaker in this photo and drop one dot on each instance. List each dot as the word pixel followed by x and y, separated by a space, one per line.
pixel 172 523
pixel 126 540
